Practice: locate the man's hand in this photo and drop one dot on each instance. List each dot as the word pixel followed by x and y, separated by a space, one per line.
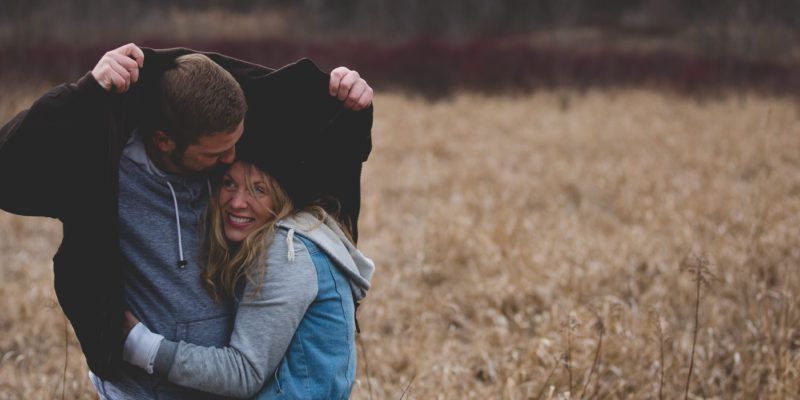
pixel 128 323
pixel 119 68
pixel 348 86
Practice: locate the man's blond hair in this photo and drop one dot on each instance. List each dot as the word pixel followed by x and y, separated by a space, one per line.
pixel 199 98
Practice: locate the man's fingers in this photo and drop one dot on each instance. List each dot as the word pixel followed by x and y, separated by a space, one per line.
pixel 131 68
pixel 125 61
pixel 119 69
pixel 101 74
pixel 131 57
pixel 132 51
pixel 336 79
pixel 138 55
pixel 355 93
pixel 346 84
pixel 107 77
pixel 134 75
pixel 130 65
pixel 365 100
pixel 116 82
pixel 123 74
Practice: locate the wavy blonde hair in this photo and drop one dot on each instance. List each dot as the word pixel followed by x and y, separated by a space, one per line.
pixel 227 263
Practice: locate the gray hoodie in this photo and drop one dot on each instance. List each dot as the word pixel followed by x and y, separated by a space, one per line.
pixel 159 226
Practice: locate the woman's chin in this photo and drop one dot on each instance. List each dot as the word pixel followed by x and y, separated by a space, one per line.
pixel 234 236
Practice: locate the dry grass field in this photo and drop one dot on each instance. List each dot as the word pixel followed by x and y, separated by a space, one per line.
pixel 534 246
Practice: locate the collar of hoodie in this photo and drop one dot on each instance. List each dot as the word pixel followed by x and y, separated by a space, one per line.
pixel 135 151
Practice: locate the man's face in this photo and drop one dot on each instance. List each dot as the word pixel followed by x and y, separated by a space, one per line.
pixel 209 152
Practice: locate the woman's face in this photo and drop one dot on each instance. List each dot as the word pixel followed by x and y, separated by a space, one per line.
pixel 244 211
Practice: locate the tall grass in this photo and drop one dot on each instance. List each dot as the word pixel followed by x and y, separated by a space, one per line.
pixel 494 219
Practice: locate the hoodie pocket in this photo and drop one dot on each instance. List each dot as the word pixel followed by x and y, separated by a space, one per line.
pixel 209 331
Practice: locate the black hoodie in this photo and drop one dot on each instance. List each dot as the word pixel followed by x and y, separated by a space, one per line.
pixel 60 159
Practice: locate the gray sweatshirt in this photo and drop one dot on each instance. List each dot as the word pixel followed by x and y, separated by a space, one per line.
pixel 266 319
pixel 170 299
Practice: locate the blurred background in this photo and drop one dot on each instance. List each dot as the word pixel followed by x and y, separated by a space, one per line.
pixel 566 199
pixel 435 46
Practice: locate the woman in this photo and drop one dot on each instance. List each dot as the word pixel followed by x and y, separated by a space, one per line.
pixel 295 276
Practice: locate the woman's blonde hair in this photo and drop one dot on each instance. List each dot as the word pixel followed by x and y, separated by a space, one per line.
pixel 227 263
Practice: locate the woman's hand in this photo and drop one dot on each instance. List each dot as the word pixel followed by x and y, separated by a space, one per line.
pixel 128 323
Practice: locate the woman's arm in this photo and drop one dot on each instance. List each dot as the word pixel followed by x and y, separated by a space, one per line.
pixel 265 324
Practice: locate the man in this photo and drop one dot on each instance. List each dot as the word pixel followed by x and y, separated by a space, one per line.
pixel 120 167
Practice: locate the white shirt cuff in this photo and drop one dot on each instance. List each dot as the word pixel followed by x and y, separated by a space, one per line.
pixel 141 347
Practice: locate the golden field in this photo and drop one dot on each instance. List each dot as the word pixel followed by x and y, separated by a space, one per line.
pixel 533 246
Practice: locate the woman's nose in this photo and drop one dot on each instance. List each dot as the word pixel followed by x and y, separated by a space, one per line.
pixel 239 199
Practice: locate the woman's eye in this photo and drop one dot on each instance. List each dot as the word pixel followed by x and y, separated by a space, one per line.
pixel 228 183
pixel 260 190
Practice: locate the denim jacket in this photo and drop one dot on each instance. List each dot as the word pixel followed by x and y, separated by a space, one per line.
pixel 321 360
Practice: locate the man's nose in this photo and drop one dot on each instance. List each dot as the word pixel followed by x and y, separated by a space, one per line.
pixel 229 156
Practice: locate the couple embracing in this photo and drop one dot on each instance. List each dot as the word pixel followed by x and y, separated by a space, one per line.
pixel 210 210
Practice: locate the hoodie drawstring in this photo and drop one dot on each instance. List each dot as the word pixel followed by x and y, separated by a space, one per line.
pixel 181 261
pixel 290 244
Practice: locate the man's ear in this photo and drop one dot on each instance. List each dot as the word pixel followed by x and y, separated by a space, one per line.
pixel 163 142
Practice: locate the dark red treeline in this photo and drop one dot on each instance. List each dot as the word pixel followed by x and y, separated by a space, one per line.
pixel 436 68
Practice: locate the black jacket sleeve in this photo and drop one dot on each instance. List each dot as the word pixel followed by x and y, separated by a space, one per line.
pixel 37 147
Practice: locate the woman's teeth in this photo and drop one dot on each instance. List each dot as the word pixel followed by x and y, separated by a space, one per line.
pixel 240 220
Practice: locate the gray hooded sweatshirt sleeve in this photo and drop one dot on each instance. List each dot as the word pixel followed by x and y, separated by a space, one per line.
pixel 267 318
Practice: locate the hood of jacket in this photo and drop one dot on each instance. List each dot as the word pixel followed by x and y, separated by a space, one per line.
pixel 136 152
pixel 331 239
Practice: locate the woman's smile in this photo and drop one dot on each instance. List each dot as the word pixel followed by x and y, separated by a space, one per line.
pixel 245 201
pixel 239 220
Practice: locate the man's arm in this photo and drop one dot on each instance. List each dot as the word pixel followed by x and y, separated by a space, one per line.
pixel 39 147
pixel 36 153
